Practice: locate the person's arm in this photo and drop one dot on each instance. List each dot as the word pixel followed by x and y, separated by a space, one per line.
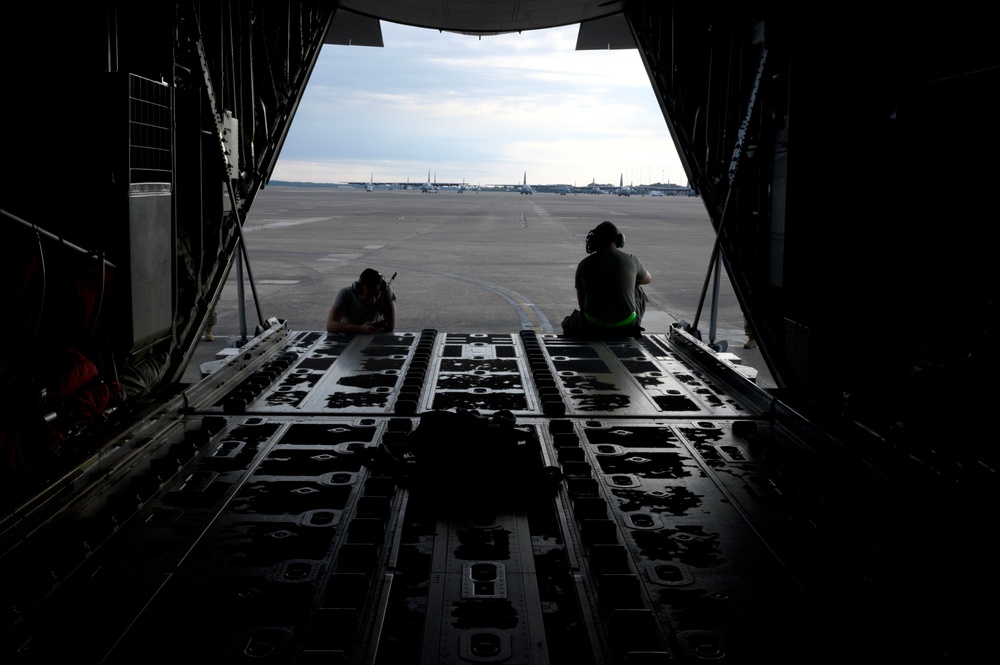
pixel 646 276
pixel 336 324
pixel 579 299
pixel 389 317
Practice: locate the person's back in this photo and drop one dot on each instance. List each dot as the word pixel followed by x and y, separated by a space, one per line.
pixel 611 302
pixel 607 279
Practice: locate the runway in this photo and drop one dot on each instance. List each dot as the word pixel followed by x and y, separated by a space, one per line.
pixel 491 262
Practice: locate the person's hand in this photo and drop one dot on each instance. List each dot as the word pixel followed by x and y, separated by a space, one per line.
pixel 369 328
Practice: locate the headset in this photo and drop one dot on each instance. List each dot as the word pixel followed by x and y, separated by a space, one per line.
pixel 370 277
pixel 374 279
pixel 602 234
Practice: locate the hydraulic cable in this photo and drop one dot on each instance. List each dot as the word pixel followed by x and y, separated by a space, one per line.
pixel 219 135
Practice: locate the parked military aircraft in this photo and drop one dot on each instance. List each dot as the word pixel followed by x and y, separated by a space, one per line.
pixel 622 189
pixel 666 190
pixel 522 188
pixel 428 186
pixel 525 187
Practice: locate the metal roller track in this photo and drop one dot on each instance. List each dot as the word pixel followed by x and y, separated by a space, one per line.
pixel 581 502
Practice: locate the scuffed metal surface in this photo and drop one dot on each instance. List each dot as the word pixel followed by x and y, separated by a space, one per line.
pixel 308 506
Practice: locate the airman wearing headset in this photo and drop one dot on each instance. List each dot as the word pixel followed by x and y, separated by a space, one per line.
pixel 367 306
pixel 611 302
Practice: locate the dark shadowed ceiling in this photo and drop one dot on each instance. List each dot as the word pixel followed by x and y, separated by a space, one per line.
pixel 491 16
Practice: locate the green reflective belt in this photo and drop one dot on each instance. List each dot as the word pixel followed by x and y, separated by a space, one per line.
pixel 604 324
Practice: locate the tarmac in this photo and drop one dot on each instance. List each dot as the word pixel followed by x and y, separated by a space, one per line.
pixel 485 262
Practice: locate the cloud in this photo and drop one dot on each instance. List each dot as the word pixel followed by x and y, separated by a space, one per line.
pixel 480 110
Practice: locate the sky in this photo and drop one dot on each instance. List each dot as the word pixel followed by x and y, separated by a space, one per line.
pixel 481 111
